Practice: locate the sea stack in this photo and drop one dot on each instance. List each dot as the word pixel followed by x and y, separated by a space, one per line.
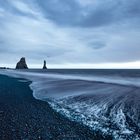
pixel 22 64
pixel 44 66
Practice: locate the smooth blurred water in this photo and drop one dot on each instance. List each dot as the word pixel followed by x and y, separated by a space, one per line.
pixel 114 72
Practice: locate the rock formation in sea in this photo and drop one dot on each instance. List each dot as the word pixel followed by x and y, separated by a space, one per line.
pixel 44 66
pixel 22 64
pixel 3 68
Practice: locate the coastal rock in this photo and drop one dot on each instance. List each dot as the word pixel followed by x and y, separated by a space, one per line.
pixel 2 67
pixel 44 66
pixel 22 64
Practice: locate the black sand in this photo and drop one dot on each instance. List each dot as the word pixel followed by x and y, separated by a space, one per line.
pixel 23 117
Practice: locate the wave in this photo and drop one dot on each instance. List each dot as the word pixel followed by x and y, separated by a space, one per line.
pixel 112 114
pixel 109 104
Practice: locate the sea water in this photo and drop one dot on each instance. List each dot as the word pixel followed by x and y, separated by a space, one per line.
pixel 107 101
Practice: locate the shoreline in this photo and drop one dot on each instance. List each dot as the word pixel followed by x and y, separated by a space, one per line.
pixel 24 117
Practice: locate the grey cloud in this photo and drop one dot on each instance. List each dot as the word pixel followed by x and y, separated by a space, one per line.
pixel 97 45
pixel 62 12
pixel 70 13
pixel 8 6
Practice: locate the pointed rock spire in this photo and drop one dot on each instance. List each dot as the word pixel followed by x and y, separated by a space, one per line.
pixel 44 66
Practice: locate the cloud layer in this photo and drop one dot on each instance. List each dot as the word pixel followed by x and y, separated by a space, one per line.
pixel 70 31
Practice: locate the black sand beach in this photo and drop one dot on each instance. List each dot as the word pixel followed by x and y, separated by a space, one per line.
pixel 24 117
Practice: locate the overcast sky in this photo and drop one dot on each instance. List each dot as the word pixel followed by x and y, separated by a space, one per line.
pixel 70 33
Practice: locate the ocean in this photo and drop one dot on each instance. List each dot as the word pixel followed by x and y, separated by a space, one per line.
pixel 107 101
